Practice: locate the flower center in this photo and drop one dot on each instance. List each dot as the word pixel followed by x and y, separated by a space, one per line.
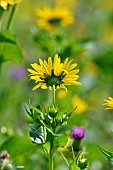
pixel 54 80
pixel 54 21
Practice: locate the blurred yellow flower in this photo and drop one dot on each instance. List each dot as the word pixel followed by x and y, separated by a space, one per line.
pixel 57 74
pixel 51 18
pixel 81 105
pixel 91 68
pixel 109 103
pixel 62 94
pixel 107 5
pixel 5 3
pixel 108 34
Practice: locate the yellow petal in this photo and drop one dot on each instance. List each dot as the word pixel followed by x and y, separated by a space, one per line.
pixel 110 98
pixel 73 83
pixel 32 71
pixel 40 61
pixel 66 66
pixel 74 77
pixel 46 68
pixel 65 62
pixel 43 86
pixel 36 67
pixel 55 62
pixel 62 86
pixel 35 78
pixel 57 66
pixel 72 66
pixel 37 86
pixel 73 72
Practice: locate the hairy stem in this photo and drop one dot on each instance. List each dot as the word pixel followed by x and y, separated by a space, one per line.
pixel 53 94
pixel 51 167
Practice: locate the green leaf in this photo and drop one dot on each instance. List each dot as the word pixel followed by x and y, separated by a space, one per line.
pixel 17 146
pixel 47 147
pixel 37 133
pixel 9 50
pixel 107 154
pixel 60 141
pixel 34 113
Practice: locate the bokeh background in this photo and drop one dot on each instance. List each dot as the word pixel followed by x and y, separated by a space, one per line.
pixel 89 41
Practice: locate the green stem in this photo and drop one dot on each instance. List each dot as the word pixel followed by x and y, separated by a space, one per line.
pixel 51 161
pixel 53 94
pixel 9 24
pixel 51 165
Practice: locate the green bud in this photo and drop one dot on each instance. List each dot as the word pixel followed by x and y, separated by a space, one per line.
pixel 82 161
pixel 59 119
pixel 47 119
pixel 52 111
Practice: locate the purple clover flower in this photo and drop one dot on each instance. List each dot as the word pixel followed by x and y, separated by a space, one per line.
pixel 78 132
pixel 18 73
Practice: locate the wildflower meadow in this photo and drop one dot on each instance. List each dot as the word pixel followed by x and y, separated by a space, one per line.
pixel 56 85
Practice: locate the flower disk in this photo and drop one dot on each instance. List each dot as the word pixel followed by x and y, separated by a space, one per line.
pixel 51 18
pixel 54 74
pixel 109 103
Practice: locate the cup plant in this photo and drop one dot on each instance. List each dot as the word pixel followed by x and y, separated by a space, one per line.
pixel 53 75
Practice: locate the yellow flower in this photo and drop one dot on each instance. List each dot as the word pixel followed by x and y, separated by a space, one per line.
pixel 48 74
pixel 51 18
pixel 108 34
pixel 81 105
pixel 107 6
pixel 5 3
pixel 109 103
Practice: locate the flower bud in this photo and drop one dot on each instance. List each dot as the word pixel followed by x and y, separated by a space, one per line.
pixel 52 111
pixel 78 133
